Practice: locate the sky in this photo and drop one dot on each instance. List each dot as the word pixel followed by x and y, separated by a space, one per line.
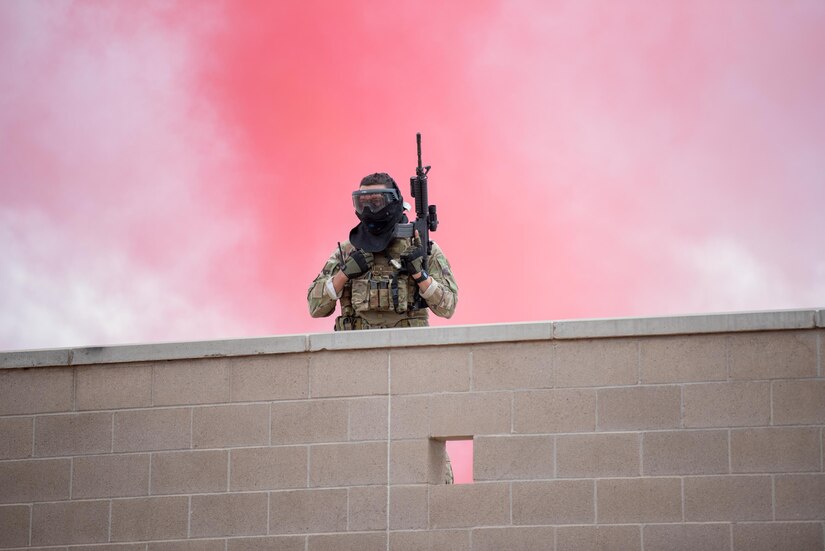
pixel 176 171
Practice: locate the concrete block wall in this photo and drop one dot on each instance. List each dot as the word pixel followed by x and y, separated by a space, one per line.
pixel 696 432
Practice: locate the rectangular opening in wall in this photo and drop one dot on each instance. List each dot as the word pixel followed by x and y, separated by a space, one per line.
pixel 460 454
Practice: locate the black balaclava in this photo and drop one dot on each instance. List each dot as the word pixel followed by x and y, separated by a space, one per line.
pixel 376 229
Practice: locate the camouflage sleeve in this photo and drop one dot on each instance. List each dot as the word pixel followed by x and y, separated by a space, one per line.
pixel 444 299
pixel 320 303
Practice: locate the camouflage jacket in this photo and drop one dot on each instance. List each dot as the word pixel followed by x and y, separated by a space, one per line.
pixel 384 297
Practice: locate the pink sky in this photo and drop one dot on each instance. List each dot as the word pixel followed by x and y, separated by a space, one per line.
pixel 180 171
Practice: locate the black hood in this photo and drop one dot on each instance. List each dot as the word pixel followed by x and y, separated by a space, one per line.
pixel 375 237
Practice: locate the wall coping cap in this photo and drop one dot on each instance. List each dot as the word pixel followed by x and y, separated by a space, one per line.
pixel 422 336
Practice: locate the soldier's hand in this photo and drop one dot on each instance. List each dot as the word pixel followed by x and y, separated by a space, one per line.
pixel 358 263
pixel 413 258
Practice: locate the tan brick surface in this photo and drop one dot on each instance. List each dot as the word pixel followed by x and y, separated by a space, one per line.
pixel 799 402
pixel 70 522
pixel 267 543
pixel 189 472
pixel 151 518
pixel 512 365
pixel 470 414
pixel 302 511
pixel 203 381
pixel 114 386
pixel 799 536
pixel 547 411
pixel 692 358
pixel 653 407
pixel 596 362
pixel 367 508
pixel 408 507
pixel 737 404
pixel 785 449
pixel 410 416
pixel 153 429
pixel 310 421
pixel 639 500
pixel 687 537
pixel 430 369
pixel 348 373
pixel 597 455
pixel 110 476
pixel 40 390
pixel 110 547
pixel 268 468
pixel 685 452
pixel 34 480
pixel 452 540
pixel 227 426
pixel 14 526
pixel 537 538
pixel 467 505
pixel 348 542
pixel 513 457
pixel 275 377
pixel 191 545
pixel 72 434
pixel 228 515
pixel 16 437
pixel 800 497
pixel 348 464
pixel 554 502
pixel 726 498
pixel 368 418
pixel 417 461
pixel 598 538
pixel 774 355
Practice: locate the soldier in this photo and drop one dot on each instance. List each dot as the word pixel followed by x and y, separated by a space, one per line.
pixel 378 277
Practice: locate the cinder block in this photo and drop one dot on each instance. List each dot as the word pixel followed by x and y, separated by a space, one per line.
pixel 539 538
pixel 687 537
pixel 778 535
pixel 34 480
pixel 417 461
pixel 597 362
pixel 309 421
pixel 799 402
pixel 470 414
pixel 267 543
pixel 691 358
pixel 151 518
pixel 153 429
pixel 201 381
pixel 597 455
pixel 268 468
pixel 228 426
pixel 351 464
pixel 274 377
pixel 430 369
pixel 727 498
pixel 40 390
pixel 639 500
pixel 70 522
pixel 368 418
pixel 348 542
pixel 513 457
pixel 110 476
pixel 467 505
pixel 109 547
pixel 773 355
pixel 189 472
pixel 599 538
pixel 408 507
pixel 348 373
pixel 16 437
pixel 72 434
pixel 410 417
pixel 555 502
pixel 367 509
pixel 430 540
pixel 548 411
pixel 302 511
pixel 737 404
pixel 114 386
pixel 685 452
pixel 800 497
pixel 228 515
pixel 770 450
pixel 504 366
pixel 14 526
pixel 188 545
pixel 634 408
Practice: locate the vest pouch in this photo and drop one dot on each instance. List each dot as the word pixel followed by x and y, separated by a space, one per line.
pixel 373 303
pixel 361 295
pixel 401 306
pixel 383 296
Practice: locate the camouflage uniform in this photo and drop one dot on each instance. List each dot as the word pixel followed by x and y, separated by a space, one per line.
pixel 383 297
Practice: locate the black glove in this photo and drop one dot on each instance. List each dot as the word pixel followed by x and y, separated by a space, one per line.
pixel 358 263
pixel 413 258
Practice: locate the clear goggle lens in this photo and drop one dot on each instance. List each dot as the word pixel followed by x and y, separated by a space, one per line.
pixel 373 199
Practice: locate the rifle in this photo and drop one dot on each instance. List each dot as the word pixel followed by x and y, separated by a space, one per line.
pixel 426 216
